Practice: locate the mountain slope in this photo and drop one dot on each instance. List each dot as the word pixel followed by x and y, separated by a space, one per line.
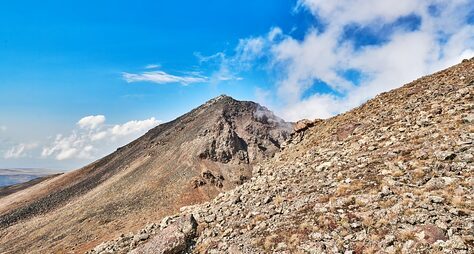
pixel 186 161
pixel 394 175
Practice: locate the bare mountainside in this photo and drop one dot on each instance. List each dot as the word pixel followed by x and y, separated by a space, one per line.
pixel 183 162
pixel 394 175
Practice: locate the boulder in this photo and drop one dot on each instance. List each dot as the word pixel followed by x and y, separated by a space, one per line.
pixel 175 238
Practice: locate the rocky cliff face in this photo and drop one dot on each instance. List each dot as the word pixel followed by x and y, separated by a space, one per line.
pixel 392 176
pixel 190 160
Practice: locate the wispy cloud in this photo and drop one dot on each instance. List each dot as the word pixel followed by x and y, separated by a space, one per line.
pixel 161 77
pixel 224 67
pixel 3 128
pixel 152 66
pixel 19 150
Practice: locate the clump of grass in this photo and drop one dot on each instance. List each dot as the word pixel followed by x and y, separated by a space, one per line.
pixel 388 203
pixel 270 242
pixel 382 222
pixel 342 189
pixel 259 217
pixel 367 221
pixel 295 239
pixel 457 201
pixel 305 226
pixel 278 200
pixel 397 173
pixel 418 173
pixel 406 234
pixel 349 188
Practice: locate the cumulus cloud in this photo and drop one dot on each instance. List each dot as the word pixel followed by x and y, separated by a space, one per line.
pixel 66 147
pixel 328 71
pixel 93 137
pixel 91 122
pixel 161 77
pixel 19 150
pixel 133 127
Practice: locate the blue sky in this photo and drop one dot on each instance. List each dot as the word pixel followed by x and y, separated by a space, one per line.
pixel 71 56
pixel 130 65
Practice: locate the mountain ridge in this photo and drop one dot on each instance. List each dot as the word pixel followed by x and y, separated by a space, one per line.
pixel 185 161
pixel 394 175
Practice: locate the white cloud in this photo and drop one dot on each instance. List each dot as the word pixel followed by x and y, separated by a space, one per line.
pixel 161 77
pixel 19 150
pixel 99 135
pixel 91 122
pixel 343 12
pixel 224 67
pixel 152 66
pixel 274 33
pixel 249 49
pixel 3 128
pixel 325 54
pixel 133 127
pixel 94 137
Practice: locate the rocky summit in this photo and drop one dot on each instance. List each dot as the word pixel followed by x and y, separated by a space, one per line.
pixel 394 175
pixel 187 161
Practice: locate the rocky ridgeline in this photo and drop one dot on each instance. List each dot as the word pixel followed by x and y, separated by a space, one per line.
pixel 392 176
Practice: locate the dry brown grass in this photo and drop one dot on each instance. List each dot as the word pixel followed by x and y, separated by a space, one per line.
pixel 409 212
pixel 382 223
pixel 295 239
pixel 349 188
pixel 397 173
pixel 370 250
pixel 270 242
pixel 305 226
pixel 342 190
pixel 367 221
pixel 406 234
pixel 259 218
pixel 278 200
pixel 418 173
pixel 388 203
pixel 458 201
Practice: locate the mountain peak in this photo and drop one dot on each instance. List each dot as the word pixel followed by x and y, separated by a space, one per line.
pixel 220 98
pixel 394 174
pixel 186 161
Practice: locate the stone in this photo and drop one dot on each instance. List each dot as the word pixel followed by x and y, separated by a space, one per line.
pixel 302 125
pixel 281 246
pixel 176 238
pixel 210 218
pixel 436 199
pixel 324 166
pixel 430 234
pixel 142 237
pixel 469 118
pixel 445 155
pixel 385 191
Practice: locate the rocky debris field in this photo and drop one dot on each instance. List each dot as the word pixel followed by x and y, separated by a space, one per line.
pixel 394 175
pixel 172 235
